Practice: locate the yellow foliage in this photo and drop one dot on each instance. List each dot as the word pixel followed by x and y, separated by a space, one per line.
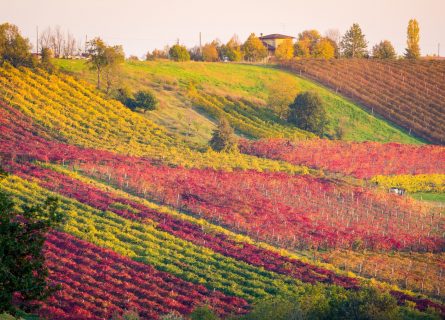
pixel 413 183
pixel 285 50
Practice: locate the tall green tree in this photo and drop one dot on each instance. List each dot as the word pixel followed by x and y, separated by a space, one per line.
pixel 14 48
pixel 22 263
pixel 353 43
pixel 384 50
pixel 104 58
pixel 223 137
pixel 179 53
pixel 231 50
pixel 307 112
pixel 253 49
pixel 412 41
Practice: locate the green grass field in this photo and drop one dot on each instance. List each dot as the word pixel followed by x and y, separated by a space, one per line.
pixel 430 197
pixel 193 95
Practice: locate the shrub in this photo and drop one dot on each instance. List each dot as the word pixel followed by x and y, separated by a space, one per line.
pixel 307 112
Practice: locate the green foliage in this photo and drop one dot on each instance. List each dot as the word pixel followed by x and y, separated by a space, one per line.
pixel 179 53
pixel 145 100
pixel 104 58
pixel 231 51
pixel 412 41
pixel 253 49
pixel 22 264
pixel 384 50
pixel 318 302
pixel 14 48
pixel 353 43
pixel 223 138
pixel 307 112
pixel 203 313
pixel 45 60
pixel 125 96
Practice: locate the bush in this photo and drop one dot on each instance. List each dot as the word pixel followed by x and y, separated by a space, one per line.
pixel 307 112
pixel 203 313
pixel 223 137
pixel 145 100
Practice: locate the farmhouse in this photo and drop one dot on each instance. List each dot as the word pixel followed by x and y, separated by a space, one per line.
pixel 272 41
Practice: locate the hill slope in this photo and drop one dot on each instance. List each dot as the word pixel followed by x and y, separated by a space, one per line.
pixel 195 94
pixel 144 232
pixel 409 93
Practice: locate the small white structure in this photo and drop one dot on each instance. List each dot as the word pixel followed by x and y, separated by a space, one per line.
pixel 398 191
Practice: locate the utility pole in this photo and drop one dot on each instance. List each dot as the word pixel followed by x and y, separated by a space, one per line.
pixel 200 43
pixel 37 41
pixel 86 43
pixel 438 50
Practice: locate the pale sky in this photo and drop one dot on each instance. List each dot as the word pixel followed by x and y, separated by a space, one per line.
pixel 144 25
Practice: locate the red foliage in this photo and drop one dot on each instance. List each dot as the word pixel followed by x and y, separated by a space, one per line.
pixel 97 282
pixel 362 160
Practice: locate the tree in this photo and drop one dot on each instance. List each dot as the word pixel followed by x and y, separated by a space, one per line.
pixel 324 49
pixel 231 50
pixel 412 41
pixel 145 100
pixel 285 50
pixel 311 37
pixel 302 49
pixel 353 43
pixel 210 52
pixel 179 53
pixel 103 57
pixel 13 47
pixel 115 57
pixel 308 113
pixel 281 95
pixel 383 50
pixel 156 54
pixel 253 49
pixel 45 60
pixel 22 263
pixel 223 138
pixel 333 35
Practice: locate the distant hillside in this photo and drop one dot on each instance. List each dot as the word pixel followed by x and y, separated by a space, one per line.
pixel 194 95
pixel 409 93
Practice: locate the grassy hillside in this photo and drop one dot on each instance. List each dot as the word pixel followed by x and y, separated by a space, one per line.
pixel 409 93
pixel 193 95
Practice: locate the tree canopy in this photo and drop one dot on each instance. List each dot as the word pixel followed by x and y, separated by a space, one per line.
pixel 412 41
pixel 179 53
pixel 307 112
pixel 353 43
pixel 210 52
pixel 104 58
pixel 253 49
pixel 384 50
pixel 14 48
pixel 285 50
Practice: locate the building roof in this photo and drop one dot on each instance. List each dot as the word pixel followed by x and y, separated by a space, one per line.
pixel 276 36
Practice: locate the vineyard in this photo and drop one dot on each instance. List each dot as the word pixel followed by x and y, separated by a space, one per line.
pixel 157 225
pixel 193 96
pixel 408 93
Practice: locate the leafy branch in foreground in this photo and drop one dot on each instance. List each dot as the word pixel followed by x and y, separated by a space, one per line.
pixel 23 274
